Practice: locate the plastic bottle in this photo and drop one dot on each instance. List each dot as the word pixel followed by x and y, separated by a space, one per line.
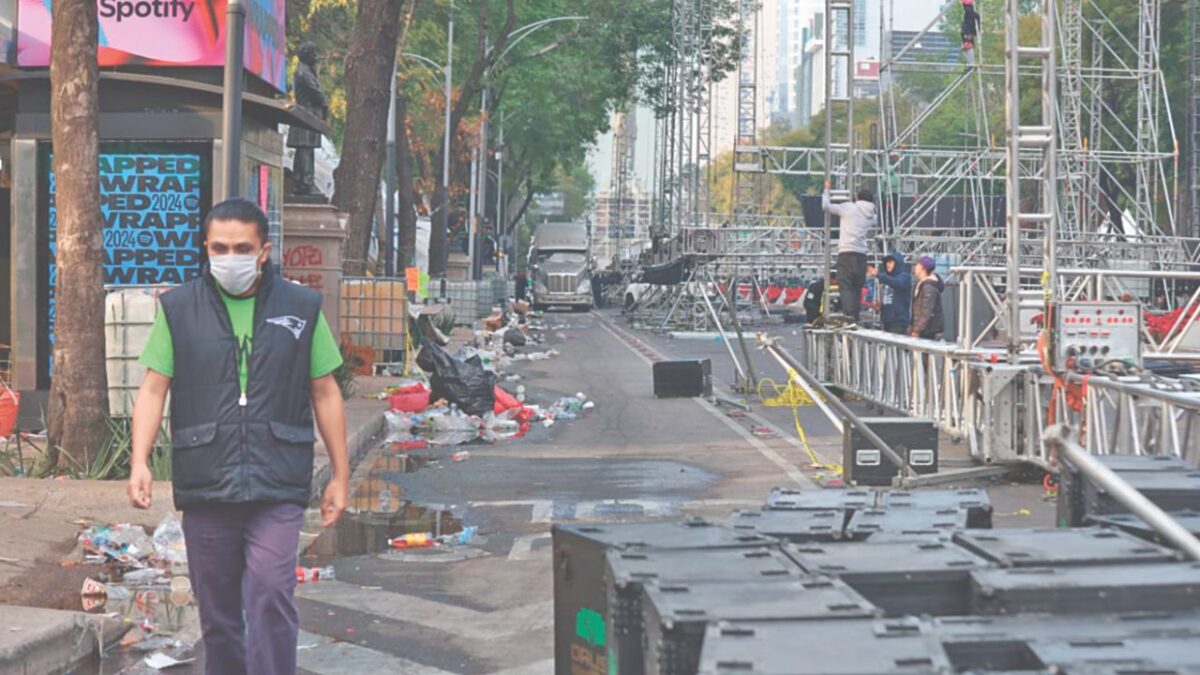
pixel 414 540
pixel 461 456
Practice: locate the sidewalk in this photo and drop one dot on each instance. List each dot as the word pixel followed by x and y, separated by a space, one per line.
pixel 40 519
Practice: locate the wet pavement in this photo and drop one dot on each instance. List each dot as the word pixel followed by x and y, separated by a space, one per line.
pixel 485 606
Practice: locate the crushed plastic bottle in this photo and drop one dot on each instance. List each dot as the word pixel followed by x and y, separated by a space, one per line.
pixel 168 540
pixel 314 574
pixel 413 540
pixel 461 456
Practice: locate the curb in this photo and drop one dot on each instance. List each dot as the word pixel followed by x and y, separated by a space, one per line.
pixel 358 443
pixel 53 641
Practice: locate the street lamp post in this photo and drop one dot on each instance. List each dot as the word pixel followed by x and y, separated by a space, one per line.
pixel 444 229
pixel 231 105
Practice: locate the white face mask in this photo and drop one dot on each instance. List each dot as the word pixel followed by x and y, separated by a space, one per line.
pixel 235 272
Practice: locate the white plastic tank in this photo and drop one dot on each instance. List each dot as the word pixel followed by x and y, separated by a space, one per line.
pixel 128 316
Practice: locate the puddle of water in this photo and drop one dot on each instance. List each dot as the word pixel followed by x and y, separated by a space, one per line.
pixel 377 512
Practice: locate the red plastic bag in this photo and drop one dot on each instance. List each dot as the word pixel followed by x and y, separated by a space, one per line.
pixel 504 401
pixel 10 401
pixel 413 398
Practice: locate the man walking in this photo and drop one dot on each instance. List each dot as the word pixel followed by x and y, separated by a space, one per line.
pixel 928 319
pixel 854 230
pixel 895 294
pixel 247 358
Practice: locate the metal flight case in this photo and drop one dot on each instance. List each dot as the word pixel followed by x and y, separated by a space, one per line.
pixel 675 615
pixel 1060 547
pixel 931 578
pixel 580 603
pixel 627 573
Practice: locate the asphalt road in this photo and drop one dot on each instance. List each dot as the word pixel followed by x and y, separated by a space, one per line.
pixel 486 607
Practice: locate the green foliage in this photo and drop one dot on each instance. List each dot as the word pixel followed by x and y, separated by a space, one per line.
pixel 345 373
pixel 112 460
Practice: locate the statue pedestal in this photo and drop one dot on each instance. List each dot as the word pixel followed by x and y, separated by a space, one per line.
pixel 313 236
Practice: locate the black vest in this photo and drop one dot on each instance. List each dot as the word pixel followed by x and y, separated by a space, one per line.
pixel 229 449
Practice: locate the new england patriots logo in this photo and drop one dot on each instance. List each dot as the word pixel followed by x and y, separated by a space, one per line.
pixel 292 323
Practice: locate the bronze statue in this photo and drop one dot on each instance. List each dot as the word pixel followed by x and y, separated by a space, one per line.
pixel 309 97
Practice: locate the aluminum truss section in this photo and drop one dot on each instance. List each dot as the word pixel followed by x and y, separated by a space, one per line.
pixel 747 164
pixel 1192 218
pixel 624 147
pixel 1042 135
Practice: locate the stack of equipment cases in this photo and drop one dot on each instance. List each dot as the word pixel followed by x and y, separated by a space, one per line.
pixel 849 499
pixel 1162 587
pixel 914 439
pixel 676 614
pixel 628 572
pixel 909 523
pixel 899 577
pixel 683 379
pixel 1002 643
pixel 580 604
pixel 1153 655
pixel 1170 490
pixel 848 647
pixel 1061 547
pixel 1072 484
pixel 974 500
pixel 1127 522
pixel 792 525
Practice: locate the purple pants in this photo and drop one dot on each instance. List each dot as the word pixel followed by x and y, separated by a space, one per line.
pixel 242 560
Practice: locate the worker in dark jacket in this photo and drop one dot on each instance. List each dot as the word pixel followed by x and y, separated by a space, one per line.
pixel 928 320
pixel 815 295
pixel 895 294
pixel 248 360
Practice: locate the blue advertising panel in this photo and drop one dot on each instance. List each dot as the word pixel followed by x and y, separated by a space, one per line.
pixel 153 200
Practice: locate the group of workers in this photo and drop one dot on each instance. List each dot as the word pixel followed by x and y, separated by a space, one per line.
pixel 905 307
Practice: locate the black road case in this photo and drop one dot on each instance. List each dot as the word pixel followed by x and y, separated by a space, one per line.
pixel 675 615
pixel 795 526
pixel 684 378
pixel 974 500
pixel 580 603
pixel 1163 587
pixel 627 573
pixel 900 577
pixel 1060 547
pixel 914 439
pixel 849 647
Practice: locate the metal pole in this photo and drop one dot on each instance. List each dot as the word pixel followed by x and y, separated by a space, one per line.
pixel 828 223
pixel 231 107
pixel 1059 437
pixel 1013 178
pixel 501 219
pixel 472 214
pixel 481 184
pixel 840 408
pixel 445 205
pixel 389 216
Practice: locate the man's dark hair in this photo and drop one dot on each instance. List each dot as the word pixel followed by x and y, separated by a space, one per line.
pixel 865 196
pixel 241 210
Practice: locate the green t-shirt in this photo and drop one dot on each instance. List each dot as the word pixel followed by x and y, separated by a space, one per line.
pixel 159 354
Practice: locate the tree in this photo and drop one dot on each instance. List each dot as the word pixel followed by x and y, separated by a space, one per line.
pixel 79 389
pixel 369 65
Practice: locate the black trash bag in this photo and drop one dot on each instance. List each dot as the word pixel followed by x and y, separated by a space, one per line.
pixel 515 338
pixel 466 384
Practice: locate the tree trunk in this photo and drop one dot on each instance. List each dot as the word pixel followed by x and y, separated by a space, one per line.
pixel 79 387
pixel 407 218
pixel 369 64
